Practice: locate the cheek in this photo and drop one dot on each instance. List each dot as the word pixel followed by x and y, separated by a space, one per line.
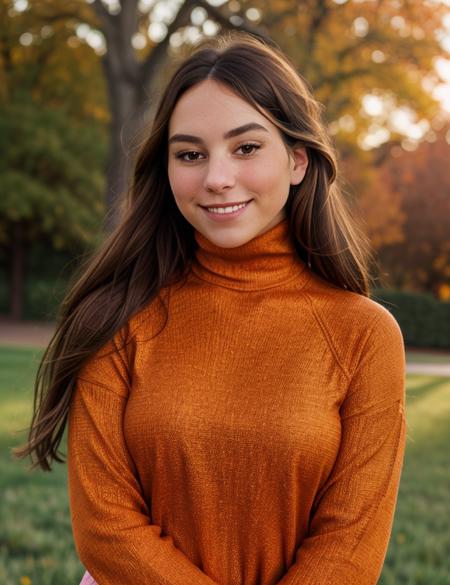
pixel 268 178
pixel 183 181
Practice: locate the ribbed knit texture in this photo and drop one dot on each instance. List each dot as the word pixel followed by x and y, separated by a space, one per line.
pixel 256 439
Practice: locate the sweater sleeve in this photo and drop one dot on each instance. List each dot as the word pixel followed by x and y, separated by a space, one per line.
pixel 353 511
pixel 114 536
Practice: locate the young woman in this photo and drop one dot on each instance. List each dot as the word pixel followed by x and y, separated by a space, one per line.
pixel 235 398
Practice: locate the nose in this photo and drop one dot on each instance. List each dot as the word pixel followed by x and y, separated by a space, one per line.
pixel 219 175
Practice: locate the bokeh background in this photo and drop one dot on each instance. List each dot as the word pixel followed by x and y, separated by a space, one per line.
pixel 79 81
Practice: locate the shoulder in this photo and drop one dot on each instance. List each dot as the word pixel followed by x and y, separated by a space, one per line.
pixel 353 323
pixel 113 363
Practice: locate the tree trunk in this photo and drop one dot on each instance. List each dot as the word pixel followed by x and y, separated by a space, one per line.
pixel 124 121
pixel 17 272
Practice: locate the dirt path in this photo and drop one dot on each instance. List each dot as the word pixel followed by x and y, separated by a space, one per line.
pixel 429 369
pixel 25 333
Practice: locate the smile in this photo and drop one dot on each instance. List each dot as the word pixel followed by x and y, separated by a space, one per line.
pixel 226 211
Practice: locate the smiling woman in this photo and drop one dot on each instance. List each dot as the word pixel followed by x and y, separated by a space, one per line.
pixel 235 399
pixel 243 172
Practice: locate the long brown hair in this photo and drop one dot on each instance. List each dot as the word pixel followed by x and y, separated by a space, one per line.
pixel 153 245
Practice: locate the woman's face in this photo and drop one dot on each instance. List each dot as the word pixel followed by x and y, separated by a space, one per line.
pixel 229 169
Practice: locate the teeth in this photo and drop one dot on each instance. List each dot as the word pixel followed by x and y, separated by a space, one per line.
pixel 230 209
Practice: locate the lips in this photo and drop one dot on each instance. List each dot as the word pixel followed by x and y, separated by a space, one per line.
pixel 226 204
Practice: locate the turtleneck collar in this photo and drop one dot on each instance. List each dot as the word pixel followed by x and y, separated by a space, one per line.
pixel 267 261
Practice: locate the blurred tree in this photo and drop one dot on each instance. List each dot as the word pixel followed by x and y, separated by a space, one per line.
pixel 379 209
pixel 347 49
pixel 51 186
pixel 53 137
pixel 47 63
pixel 419 182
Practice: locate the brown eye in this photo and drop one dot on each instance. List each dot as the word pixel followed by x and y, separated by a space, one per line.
pixel 191 154
pixel 249 148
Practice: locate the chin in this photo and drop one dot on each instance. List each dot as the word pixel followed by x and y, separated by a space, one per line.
pixel 231 244
pixel 230 239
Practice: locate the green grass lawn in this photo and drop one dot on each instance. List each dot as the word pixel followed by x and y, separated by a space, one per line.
pixel 36 546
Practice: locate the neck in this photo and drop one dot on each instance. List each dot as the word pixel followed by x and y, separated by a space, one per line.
pixel 266 261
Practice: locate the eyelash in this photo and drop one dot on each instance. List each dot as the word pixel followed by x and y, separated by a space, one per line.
pixel 182 154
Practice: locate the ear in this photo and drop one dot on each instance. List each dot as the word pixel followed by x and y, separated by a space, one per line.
pixel 298 164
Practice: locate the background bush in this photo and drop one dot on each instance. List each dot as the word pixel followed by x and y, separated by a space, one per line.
pixel 424 320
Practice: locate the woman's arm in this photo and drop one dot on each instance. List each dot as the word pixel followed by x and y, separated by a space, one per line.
pixel 114 536
pixel 353 512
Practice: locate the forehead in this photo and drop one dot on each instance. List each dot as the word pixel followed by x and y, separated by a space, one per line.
pixel 213 107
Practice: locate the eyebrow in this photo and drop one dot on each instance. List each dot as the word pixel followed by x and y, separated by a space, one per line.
pixel 229 134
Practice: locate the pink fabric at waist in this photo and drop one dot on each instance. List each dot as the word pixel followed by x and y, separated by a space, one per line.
pixel 88 579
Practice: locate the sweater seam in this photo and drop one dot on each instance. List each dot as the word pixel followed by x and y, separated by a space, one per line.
pixel 327 337
pixel 374 411
pixel 99 385
pixel 370 331
pixel 330 344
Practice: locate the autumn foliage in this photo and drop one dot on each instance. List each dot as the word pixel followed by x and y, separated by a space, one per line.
pixel 407 213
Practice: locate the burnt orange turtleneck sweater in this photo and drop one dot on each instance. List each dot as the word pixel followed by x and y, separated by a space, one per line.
pixel 256 439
